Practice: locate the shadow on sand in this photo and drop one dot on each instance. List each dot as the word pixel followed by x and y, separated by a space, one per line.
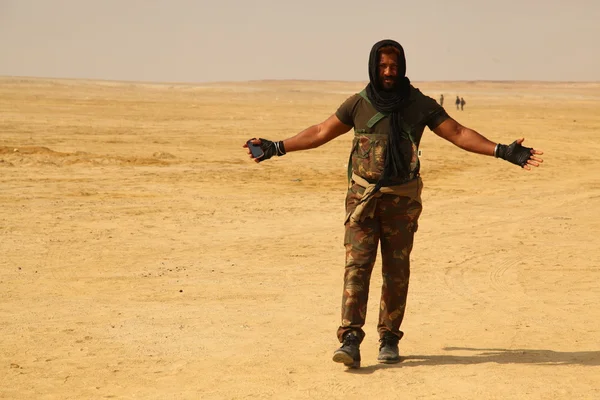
pixel 498 356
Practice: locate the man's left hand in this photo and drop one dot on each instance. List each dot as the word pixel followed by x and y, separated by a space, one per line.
pixel 522 156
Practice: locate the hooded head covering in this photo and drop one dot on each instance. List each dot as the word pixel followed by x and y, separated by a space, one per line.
pixel 374 80
pixel 391 102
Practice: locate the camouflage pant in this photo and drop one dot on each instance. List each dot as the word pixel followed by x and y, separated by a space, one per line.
pixel 394 225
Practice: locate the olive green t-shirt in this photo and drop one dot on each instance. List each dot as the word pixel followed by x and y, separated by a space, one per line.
pixel 421 111
pixel 369 147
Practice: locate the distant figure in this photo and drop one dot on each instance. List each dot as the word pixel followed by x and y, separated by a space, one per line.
pixel 462 103
pixel 457 102
pixel 441 100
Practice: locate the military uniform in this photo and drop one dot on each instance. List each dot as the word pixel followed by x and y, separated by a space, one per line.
pixel 389 216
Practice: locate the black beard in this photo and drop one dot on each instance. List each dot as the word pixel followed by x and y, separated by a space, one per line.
pixel 391 88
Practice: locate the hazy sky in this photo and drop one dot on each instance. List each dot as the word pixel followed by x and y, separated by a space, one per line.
pixel 224 40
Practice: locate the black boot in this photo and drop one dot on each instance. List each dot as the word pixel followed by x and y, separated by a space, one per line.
pixel 349 353
pixel 388 349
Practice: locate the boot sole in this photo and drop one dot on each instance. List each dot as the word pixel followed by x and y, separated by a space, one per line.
pixel 345 358
pixel 389 360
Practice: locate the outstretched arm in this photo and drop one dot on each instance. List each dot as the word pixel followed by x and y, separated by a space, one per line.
pixel 311 137
pixel 465 138
pixel 317 135
pixel 470 140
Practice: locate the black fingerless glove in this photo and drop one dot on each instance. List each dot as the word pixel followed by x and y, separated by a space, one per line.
pixel 514 153
pixel 271 149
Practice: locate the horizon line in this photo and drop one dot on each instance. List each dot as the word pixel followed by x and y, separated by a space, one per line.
pixel 270 80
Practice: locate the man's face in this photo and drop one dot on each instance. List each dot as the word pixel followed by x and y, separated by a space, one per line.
pixel 388 71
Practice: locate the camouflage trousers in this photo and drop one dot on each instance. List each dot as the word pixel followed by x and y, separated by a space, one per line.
pixel 393 225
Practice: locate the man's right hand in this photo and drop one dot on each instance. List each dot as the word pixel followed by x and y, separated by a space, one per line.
pixel 268 147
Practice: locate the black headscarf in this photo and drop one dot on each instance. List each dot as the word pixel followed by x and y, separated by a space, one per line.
pixel 399 148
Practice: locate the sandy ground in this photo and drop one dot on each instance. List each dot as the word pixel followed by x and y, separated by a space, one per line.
pixel 142 255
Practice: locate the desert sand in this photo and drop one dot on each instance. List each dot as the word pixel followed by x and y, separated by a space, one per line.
pixel 143 255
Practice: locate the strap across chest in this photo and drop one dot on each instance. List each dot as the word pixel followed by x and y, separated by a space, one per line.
pixel 377 117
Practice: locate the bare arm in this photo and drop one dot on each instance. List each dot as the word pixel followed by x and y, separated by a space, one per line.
pixel 470 140
pixel 465 138
pixel 311 137
pixel 316 135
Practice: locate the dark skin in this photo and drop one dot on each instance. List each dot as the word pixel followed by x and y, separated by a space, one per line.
pixel 457 134
pixel 388 70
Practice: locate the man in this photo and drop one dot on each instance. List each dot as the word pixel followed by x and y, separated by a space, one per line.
pixel 441 100
pixel 462 104
pixel 383 202
pixel 457 102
